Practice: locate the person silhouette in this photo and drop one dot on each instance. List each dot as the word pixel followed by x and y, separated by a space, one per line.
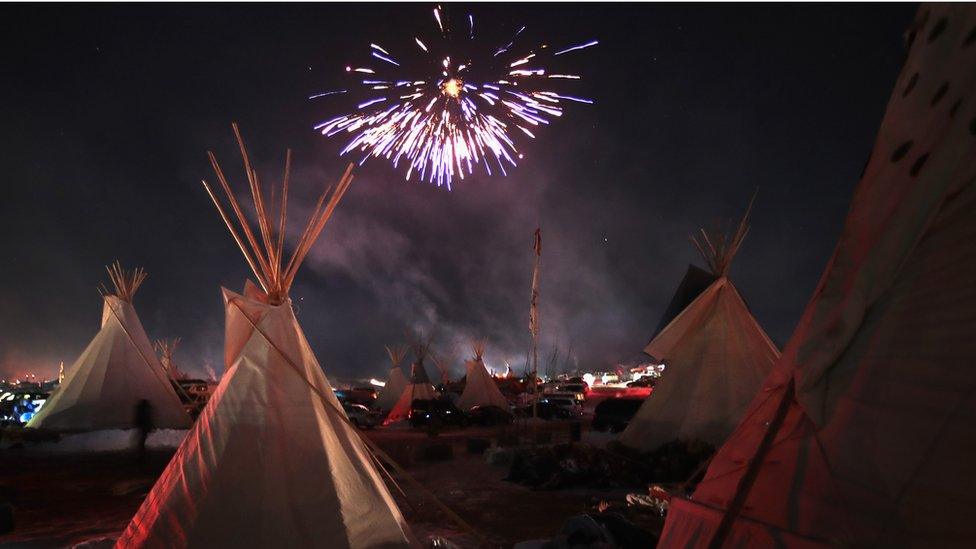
pixel 144 424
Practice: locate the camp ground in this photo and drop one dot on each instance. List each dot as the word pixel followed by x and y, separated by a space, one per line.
pixel 530 276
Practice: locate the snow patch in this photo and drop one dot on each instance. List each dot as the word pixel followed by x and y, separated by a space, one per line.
pixel 109 440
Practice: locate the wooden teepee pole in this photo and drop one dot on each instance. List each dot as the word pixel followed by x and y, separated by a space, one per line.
pixel 718 247
pixel 534 321
pixel 126 283
pixel 396 354
pixel 265 255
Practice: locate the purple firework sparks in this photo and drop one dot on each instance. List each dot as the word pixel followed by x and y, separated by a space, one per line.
pixel 439 115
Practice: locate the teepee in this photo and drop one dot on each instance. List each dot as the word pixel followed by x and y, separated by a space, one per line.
pixel 695 281
pixel 419 387
pixel 166 349
pixel 443 364
pixel 395 381
pixel 716 355
pixel 272 461
pixel 116 371
pixel 479 388
pixel 862 435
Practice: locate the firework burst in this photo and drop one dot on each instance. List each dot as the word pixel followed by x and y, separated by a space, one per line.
pixel 447 106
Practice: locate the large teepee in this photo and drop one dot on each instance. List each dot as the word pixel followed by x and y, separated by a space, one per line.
pixel 272 461
pixel 419 387
pixel 395 381
pixel 716 355
pixel 479 388
pixel 116 371
pixel 862 435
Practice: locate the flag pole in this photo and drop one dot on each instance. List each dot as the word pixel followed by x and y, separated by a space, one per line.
pixel 534 321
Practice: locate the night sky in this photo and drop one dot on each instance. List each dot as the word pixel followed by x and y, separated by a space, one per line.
pixel 108 111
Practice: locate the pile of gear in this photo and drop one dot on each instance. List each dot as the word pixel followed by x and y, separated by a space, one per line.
pixel 586 466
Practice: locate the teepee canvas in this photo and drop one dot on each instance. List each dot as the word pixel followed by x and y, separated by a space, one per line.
pixel 395 381
pixel 419 387
pixel 716 355
pixel 116 371
pixel 480 389
pixel 862 435
pixel 695 281
pixel 272 461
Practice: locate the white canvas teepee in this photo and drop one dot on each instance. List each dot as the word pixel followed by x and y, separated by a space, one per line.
pixel 716 355
pixel 862 435
pixel 443 364
pixel 272 461
pixel 116 371
pixel 480 389
pixel 395 381
pixel 419 387
pixel 166 349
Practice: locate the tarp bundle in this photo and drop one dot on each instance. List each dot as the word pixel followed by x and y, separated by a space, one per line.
pixel 863 433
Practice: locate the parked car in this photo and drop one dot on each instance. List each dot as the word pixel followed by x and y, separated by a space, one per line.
pixel 358 395
pixel 613 414
pixel 18 406
pixel 361 416
pixel 438 412
pixel 646 381
pixel 580 381
pixel 194 394
pixel 489 415
pixel 580 389
pixel 554 407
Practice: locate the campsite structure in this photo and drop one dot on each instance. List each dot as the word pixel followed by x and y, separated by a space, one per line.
pixel 115 372
pixel 166 349
pixel 443 364
pixel 419 387
pixel 862 435
pixel 273 459
pixel 395 381
pixel 716 355
pixel 480 388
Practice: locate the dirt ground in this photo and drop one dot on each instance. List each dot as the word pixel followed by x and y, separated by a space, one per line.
pixel 60 501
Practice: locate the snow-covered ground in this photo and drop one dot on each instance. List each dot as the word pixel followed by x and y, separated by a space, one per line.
pixel 109 440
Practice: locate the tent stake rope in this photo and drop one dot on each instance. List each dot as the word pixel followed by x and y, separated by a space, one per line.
pixel 370 445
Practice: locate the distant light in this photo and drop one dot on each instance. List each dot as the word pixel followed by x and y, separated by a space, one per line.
pixel 377 382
